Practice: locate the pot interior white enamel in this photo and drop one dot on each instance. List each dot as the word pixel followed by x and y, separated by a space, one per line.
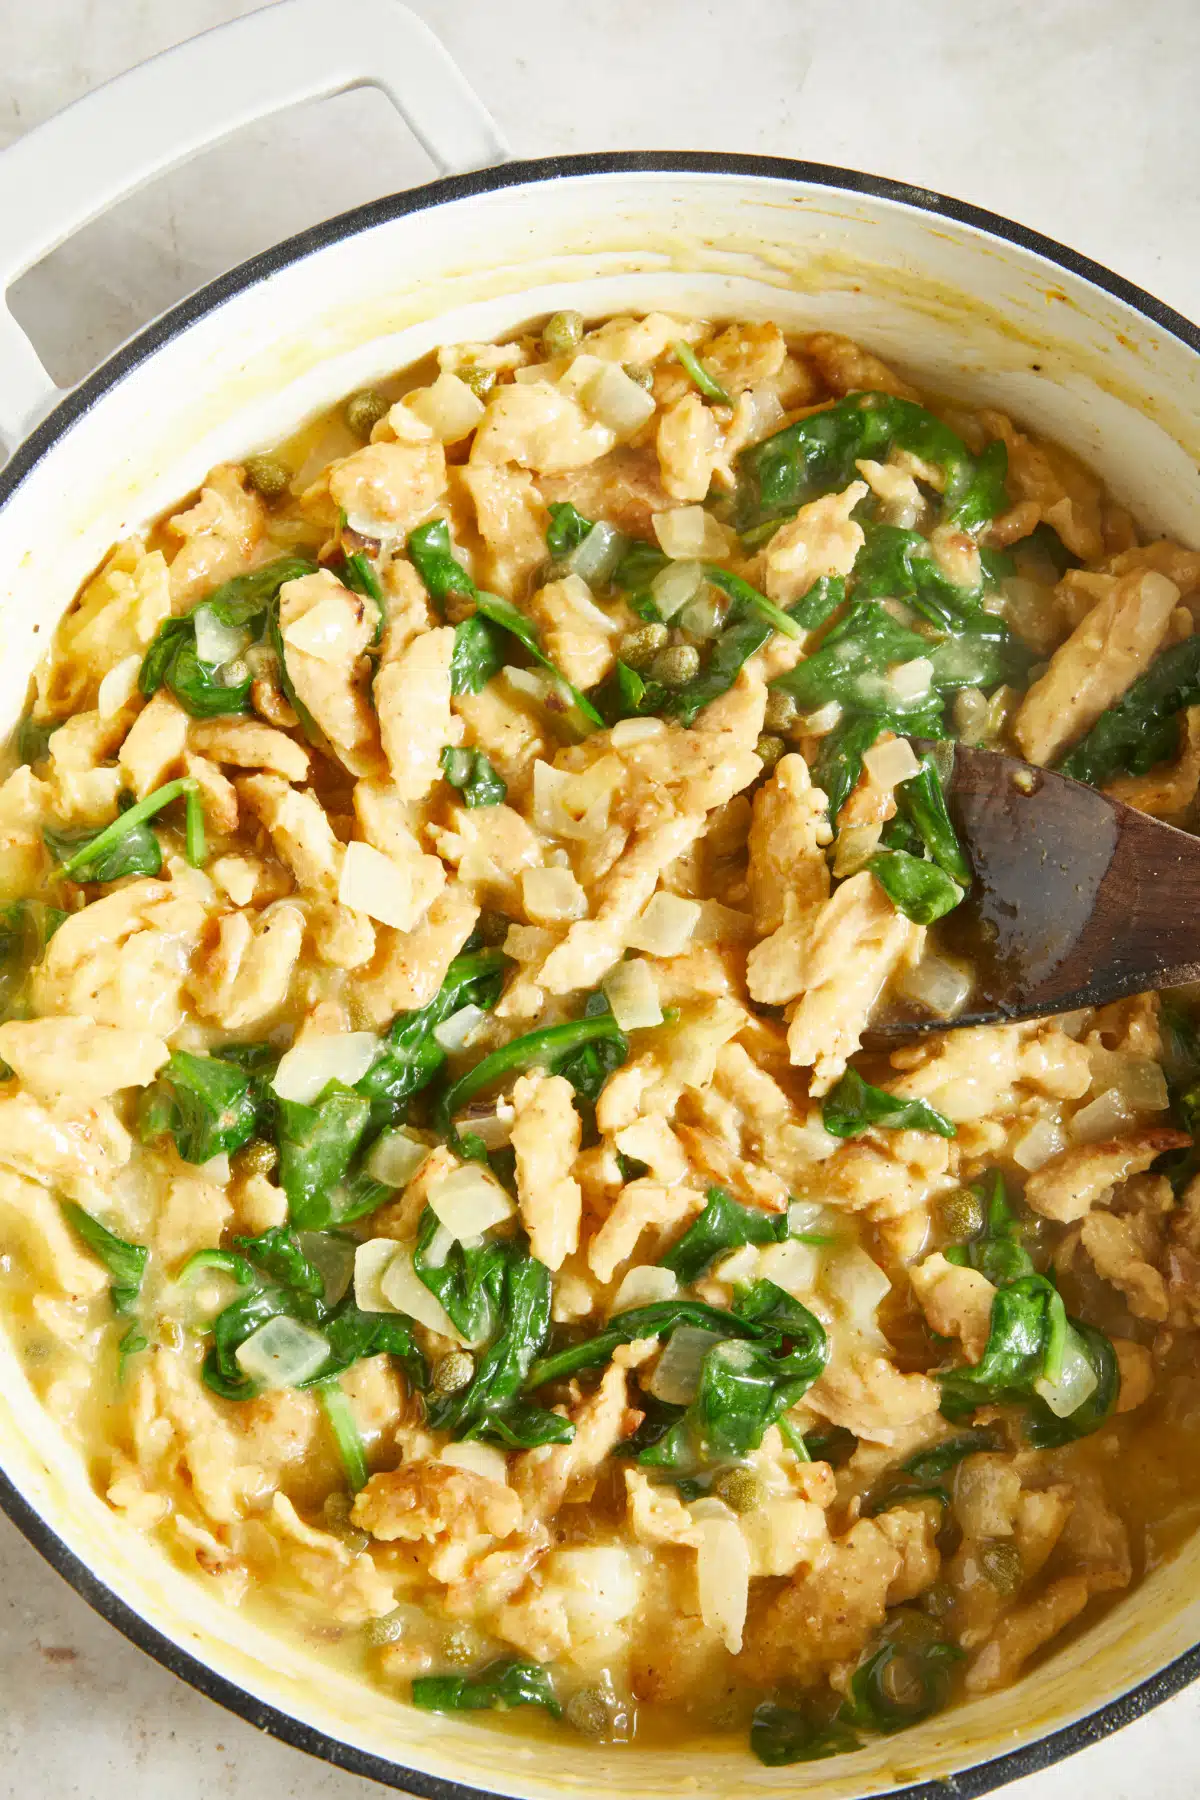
pixel 965 311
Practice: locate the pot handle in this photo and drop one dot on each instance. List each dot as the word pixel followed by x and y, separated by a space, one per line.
pixel 64 173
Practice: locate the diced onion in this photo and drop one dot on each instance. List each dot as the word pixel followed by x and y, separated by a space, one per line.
pixel 598 555
pixel 821 722
pixel 665 926
pixel 575 597
pixel 372 883
pixel 469 1201
pixel 217 1169
pixel 575 806
pixel 1106 1117
pixel 632 992
pixel 704 617
pixel 781 1533
pixel 455 1032
pixel 1138 1079
pixel 691 531
pixel 552 896
pixel 530 684
pixel 720 924
pixel 807 1215
pixel 307 1069
pixel 942 987
pixel 855 847
pixel 971 715
pixel 890 762
pixel 644 1286
pixel 395 1158
pixel 739 1266
pixel 327 630
pixel 439 1247
pixel 217 643
pixel 855 1283
pixel 675 585
pixel 494 1128
pixel 1076 1382
pixel 480 1459
pixel 615 399
pixel 409 429
pixel 676 1375
pixel 449 408
pixel 282 1353
pixel 333 1259
pixel 792 1266
pixel 405 1292
pixel 598 1585
pixel 370 1263
pixel 118 687
pixel 987 1493
pixel 627 732
pixel 723 1579
pixel 1037 1144
pixel 909 679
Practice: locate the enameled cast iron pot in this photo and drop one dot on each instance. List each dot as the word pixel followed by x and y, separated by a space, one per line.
pixel 966 301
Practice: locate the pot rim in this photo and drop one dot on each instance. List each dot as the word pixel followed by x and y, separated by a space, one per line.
pixel 979 1778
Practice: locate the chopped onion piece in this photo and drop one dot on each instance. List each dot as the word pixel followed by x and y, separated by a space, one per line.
pixel 552 896
pixel 480 1459
pixel 891 762
pixel 597 556
pixel 854 1283
pixel 217 1169
pixel 675 585
pixel 723 1579
pixel 644 1286
pixel 494 1128
pixel 704 617
pixel 405 1292
pixel 1036 1145
pixel 439 1247
pixel 408 428
pixel 793 1266
pixel 327 630
pixel 372 883
pixel 575 597
pixel 530 684
pixel 282 1354
pixel 627 732
pixel 333 1259
pixel 1076 1383
pixel 821 722
pixel 370 1262
pixel 632 992
pixel 1138 1079
pixel 118 687
pixel 665 926
pixel 855 847
pixel 609 394
pixel 676 1375
pixel 217 643
pixel 598 1585
pixel 456 1031
pixel 942 987
pixel 909 679
pixel 720 924
pixel 307 1069
pixel 469 1201
pixel 807 1215
pixel 395 1158
pixel 449 408
pixel 691 531
pixel 740 1265
pixel 1106 1117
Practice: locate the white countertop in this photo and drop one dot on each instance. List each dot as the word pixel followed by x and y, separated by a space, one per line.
pixel 1078 117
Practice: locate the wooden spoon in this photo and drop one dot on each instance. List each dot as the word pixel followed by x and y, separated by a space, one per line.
pixel 1077 899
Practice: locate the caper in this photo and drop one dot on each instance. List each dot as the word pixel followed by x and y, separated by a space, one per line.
pixel 740 1489
pixel 1001 1565
pixel 267 476
pixel 257 1158
pixel 782 711
pixel 492 928
pixel 640 373
pixel 769 749
pixel 388 1630
pixel 561 333
pixel 639 648
pixel 960 1214
pixel 480 381
pixel 938 1600
pixel 589 1712
pixel 453 1372
pixel 364 411
pixel 675 666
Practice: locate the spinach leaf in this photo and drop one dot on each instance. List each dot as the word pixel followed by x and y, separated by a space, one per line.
pixel 206 1103
pixel 922 800
pixel 478 654
pixel 508 1682
pixel 626 694
pixel 567 529
pixel 820 603
pixel 901 1683
pixel 126 847
pixel 346 1435
pixel 353 1336
pixel 359 575
pixel 125 1262
pixel 26 927
pixel 503 613
pixel 853 1106
pixel 922 1474
pixel 998 1252
pixel 469 1282
pixel 1127 738
pixel 780 1735
pixel 430 553
pixel 277 1254
pixel 723 1225
pixel 707 384
pixel 638 567
pixel 1026 1340
pixel 473 775
pixel 1045 1430
pixel 980 653
pixel 490 1406
pixel 656 1320
pixel 919 889
pixel 852 663
pixel 411 1056
pixel 556 1048
pixel 172 657
pixel 33 738
pixel 752 601
pixel 901 565
pixel 817 455
pixel 316 1146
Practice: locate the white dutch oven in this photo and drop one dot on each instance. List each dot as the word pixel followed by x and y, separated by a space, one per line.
pixel 967 302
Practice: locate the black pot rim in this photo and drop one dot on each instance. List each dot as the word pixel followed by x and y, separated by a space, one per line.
pixel 979 1778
